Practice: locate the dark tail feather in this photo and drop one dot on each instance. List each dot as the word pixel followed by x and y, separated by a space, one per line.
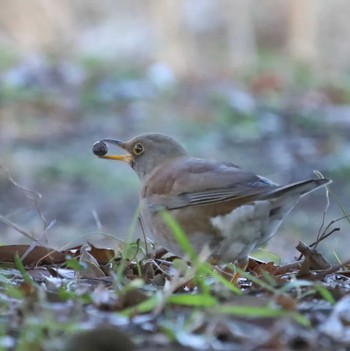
pixel 301 188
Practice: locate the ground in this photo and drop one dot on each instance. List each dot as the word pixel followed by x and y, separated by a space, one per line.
pixel 61 202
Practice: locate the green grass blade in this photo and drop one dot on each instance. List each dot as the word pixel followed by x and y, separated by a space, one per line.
pixel 207 269
pixel 250 311
pixel 198 300
pixel 260 312
pixel 325 293
pixel 256 280
pixel 295 284
pixel 26 277
pixel 179 235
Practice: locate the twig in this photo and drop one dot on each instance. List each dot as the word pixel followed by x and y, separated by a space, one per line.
pixel 333 269
pixel 31 194
pixel 143 234
pixel 13 225
pixel 315 259
pixel 159 267
pixel 281 270
pixel 324 234
pixel 97 220
pixel 319 235
pixel 37 241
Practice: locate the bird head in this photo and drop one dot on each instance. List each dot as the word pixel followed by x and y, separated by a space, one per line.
pixel 144 152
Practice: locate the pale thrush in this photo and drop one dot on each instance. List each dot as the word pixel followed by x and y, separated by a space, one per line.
pixel 217 204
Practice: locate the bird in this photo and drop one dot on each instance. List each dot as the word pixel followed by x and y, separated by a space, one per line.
pixel 217 204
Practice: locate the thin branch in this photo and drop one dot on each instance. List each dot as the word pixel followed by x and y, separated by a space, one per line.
pixel 31 194
pixel 144 235
pixel 37 241
pixel 97 220
pixel 325 234
pixel 13 225
pixel 319 235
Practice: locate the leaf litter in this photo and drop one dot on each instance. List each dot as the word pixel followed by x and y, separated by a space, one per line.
pixel 86 296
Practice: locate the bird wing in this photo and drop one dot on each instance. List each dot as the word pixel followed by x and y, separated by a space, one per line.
pixel 194 182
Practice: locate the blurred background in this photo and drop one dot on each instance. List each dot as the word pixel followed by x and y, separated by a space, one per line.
pixel 264 84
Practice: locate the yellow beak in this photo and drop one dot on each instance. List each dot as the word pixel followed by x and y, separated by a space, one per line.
pixel 127 158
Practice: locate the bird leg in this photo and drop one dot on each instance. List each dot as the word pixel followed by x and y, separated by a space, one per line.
pixel 227 272
pixel 242 264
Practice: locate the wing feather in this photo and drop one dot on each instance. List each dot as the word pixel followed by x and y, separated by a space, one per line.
pixel 196 182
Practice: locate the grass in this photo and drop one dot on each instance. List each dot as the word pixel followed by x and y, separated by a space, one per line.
pixel 189 300
pixel 191 304
pixel 185 306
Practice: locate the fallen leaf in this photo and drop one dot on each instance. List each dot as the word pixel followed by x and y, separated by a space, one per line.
pixel 90 264
pixel 38 254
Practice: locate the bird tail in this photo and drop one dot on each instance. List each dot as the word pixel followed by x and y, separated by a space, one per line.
pixel 300 188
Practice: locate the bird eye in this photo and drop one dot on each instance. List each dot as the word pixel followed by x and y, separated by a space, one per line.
pixel 138 149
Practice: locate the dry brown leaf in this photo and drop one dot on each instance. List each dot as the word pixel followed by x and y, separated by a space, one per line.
pixel 287 302
pixel 268 267
pixel 38 254
pixel 92 268
pixel 27 288
pixel 102 255
pixel 131 298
